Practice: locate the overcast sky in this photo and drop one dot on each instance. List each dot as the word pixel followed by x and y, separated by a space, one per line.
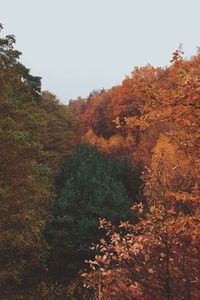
pixel 81 45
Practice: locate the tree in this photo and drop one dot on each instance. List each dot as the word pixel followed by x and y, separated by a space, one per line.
pixel 36 133
pixel 158 258
pixel 25 197
pixel 59 129
pixel 89 186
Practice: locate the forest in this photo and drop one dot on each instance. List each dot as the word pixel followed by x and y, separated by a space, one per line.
pixel 100 197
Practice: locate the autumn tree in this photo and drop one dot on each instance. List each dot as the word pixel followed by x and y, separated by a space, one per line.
pixel 157 258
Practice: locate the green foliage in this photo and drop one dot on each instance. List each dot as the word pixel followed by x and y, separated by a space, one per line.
pixel 58 131
pixel 89 186
pixel 33 127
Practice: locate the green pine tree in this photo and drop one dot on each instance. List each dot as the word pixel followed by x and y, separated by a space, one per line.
pixel 90 186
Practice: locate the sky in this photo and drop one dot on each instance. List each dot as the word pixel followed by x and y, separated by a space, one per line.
pixel 77 46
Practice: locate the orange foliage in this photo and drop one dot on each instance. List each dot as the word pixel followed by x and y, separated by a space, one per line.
pixel 117 145
pixel 152 101
pixel 158 258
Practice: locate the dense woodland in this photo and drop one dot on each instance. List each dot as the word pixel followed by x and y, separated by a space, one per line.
pixel 100 197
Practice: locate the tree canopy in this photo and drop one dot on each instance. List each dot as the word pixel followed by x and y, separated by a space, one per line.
pixel 89 186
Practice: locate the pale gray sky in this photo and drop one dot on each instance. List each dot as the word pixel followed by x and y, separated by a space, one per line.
pixel 81 45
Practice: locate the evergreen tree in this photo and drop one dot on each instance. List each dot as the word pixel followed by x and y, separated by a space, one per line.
pixel 90 186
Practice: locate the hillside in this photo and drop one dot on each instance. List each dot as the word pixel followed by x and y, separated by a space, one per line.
pixel 100 197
